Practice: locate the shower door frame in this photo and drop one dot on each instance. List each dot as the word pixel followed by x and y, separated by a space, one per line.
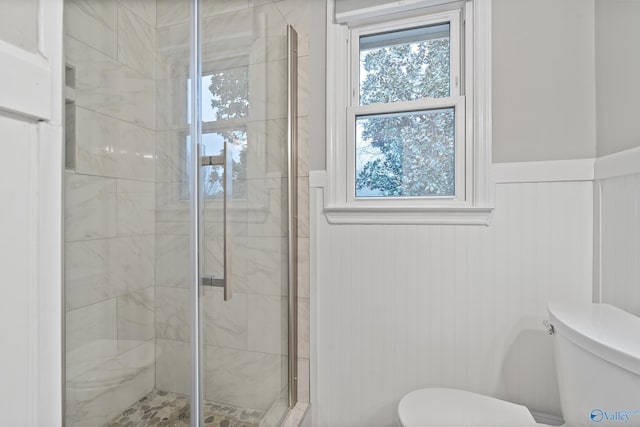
pixel 195 222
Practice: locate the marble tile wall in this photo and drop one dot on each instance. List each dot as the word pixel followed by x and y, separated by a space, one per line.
pixel 172 331
pixel 110 209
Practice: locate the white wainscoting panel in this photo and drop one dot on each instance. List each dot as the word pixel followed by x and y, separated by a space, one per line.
pixel 401 307
pixel 620 242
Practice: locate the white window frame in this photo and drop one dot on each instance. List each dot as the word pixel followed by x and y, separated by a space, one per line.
pixel 455 100
pixel 473 201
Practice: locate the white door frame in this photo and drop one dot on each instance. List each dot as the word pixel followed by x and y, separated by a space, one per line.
pixel 31 100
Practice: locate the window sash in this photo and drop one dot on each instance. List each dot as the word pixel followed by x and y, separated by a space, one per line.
pixel 455 43
pixel 462 155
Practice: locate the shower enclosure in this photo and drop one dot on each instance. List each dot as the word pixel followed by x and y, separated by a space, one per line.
pixel 180 223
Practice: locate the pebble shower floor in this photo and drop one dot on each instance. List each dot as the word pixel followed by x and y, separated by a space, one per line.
pixel 162 409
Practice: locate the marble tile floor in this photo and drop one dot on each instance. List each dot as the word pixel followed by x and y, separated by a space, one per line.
pixel 163 409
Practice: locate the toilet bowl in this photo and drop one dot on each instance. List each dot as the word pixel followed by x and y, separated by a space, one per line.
pixel 447 407
pixel 597 356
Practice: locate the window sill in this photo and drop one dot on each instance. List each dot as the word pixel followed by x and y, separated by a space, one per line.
pixel 338 214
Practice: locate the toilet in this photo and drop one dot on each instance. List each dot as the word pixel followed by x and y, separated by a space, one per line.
pixel 597 356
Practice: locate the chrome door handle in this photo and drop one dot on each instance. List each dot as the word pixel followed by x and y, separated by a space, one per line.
pixel 225 160
pixel 226 219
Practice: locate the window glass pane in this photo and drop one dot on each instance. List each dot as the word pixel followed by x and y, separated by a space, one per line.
pixel 406 154
pixel 225 95
pixel 405 65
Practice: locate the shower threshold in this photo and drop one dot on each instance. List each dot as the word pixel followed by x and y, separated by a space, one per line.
pixel 163 409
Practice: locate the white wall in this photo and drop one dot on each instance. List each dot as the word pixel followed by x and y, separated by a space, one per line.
pixel 404 307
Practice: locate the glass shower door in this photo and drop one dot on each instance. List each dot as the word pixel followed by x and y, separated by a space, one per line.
pixel 245 214
pixel 133 151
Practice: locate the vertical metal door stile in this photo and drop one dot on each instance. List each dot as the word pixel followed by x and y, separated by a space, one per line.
pixel 292 142
pixel 195 214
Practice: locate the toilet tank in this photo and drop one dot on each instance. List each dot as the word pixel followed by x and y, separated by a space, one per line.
pixel 597 352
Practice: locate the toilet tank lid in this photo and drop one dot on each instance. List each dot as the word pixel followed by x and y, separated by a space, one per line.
pixel 602 329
